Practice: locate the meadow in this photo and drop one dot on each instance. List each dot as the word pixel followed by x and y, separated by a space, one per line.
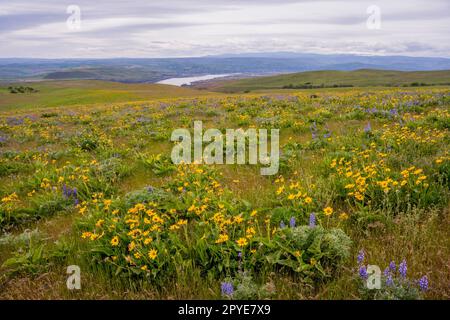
pixel 363 180
pixel 51 94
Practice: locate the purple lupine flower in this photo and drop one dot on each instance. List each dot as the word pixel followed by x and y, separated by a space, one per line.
pixel 327 134
pixel 402 268
pixel 227 288
pixel 386 272
pixel 389 280
pixel 363 272
pixel 312 220
pixel 393 112
pixel 292 222
pixel 313 129
pixel 75 195
pixel 282 225
pixel 240 261
pixel 14 121
pixel 368 127
pixel 423 283
pixel 65 191
pixel 392 266
pixel 360 257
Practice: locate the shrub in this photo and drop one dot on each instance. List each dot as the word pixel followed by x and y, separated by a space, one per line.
pixel 313 251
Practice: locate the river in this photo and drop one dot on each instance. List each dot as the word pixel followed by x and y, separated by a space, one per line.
pixel 189 80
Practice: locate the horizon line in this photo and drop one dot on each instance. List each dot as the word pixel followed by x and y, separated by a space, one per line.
pixel 247 55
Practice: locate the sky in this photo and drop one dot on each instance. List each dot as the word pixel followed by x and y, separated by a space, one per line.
pixel 182 28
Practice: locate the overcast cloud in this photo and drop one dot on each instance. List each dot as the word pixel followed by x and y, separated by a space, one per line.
pixel 176 28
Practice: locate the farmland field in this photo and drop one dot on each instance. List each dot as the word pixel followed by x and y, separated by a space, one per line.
pixel 363 180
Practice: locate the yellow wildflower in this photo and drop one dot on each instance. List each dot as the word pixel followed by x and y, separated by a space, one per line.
pixel 99 223
pixel 152 254
pixel 343 216
pixel 222 238
pixel 328 211
pixel 242 242
pixel 115 241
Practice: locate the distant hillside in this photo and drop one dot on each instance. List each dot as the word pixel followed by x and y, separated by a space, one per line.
pixel 73 74
pixel 154 70
pixel 329 79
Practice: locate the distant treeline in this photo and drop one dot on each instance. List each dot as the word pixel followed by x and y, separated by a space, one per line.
pixel 309 85
pixel 417 84
pixel 423 84
pixel 21 89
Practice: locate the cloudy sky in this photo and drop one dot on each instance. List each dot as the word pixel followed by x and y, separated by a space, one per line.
pixel 175 28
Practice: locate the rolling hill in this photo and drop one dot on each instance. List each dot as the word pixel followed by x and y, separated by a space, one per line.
pixel 77 92
pixel 327 79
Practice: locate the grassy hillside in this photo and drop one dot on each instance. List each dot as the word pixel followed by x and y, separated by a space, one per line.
pixel 76 92
pixel 358 78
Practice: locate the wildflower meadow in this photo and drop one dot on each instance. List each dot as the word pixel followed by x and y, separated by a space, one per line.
pixel 361 197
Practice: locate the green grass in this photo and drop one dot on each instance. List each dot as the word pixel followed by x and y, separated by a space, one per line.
pixel 358 78
pixel 82 92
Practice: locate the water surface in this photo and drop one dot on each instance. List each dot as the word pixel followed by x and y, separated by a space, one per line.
pixel 189 80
